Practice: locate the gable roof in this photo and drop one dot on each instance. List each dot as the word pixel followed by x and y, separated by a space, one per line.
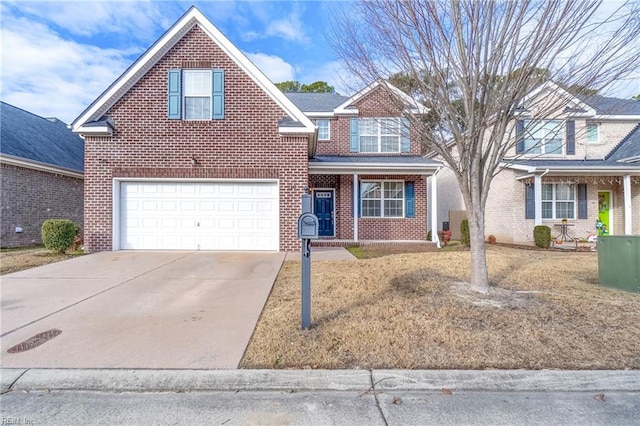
pixel 414 106
pixel 316 102
pixel 31 140
pixel 193 17
pixel 628 150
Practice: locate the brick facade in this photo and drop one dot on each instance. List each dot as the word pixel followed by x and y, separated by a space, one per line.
pixel 31 196
pixel 145 143
pixel 374 104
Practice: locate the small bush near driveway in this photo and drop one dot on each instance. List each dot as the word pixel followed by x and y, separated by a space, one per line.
pixel 545 310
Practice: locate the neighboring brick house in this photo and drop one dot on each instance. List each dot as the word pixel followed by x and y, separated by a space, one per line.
pixel 194 148
pixel 581 163
pixel 42 175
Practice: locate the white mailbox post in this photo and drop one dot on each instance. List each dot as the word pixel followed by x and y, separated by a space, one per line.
pixel 307 230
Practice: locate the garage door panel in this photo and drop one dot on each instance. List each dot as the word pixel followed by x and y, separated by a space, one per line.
pixel 202 215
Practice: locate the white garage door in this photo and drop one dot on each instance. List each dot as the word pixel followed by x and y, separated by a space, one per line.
pixel 199 215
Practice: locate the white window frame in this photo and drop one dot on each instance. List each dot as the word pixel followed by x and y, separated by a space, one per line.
pixel 382 198
pixel 321 136
pixel 593 124
pixel 541 144
pixel 208 96
pixel 555 201
pixel 379 134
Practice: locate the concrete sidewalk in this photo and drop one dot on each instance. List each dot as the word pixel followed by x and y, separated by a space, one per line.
pixel 385 397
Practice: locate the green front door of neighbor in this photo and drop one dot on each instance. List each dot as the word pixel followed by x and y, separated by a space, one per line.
pixel 604 210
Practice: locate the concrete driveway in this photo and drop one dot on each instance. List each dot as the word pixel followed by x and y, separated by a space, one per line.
pixel 138 309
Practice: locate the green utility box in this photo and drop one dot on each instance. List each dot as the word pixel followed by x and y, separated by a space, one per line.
pixel 619 262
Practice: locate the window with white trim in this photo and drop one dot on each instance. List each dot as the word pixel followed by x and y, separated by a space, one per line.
pixel 593 132
pixel 558 201
pixel 197 94
pixel 324 130
pixel 382 198
pixel 543 136
pixel 380 134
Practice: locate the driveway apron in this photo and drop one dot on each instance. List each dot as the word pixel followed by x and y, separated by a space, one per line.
pixel 138 309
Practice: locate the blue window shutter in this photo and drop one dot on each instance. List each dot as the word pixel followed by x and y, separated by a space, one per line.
pixel 405 142
pixel 530 202
pixel 571 137
pixel 174 101
pixel 582 201
pixel 355 135
pixel 409 200
pixel 217 94
pixel 519 137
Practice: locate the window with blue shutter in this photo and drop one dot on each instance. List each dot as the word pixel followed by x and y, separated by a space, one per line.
pixel 195 94
pixel 405 141
pixel 519 137
pixel 354 135
pixel 409 200
pixel 582 201
pixel 174 101
pixel 530 202
pixel 571 137
pixel 217 94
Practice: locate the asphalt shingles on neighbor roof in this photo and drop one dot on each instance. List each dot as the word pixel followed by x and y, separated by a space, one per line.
pixel 612 106
pixel 629 147
pixel 316 102
pixel 30 137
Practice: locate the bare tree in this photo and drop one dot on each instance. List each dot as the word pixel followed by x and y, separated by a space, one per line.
pixel 474 61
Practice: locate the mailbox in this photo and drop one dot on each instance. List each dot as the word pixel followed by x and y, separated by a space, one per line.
pixel 308 226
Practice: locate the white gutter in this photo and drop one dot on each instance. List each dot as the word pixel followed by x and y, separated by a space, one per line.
pixel 36 165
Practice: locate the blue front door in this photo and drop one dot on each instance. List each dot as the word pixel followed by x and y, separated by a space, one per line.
pixel 323 209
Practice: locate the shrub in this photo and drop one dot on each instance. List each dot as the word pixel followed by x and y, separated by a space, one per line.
pixel 58 234
pixel 465 238
pixel 542 236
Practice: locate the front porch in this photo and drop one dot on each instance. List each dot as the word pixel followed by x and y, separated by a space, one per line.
pixel 372 200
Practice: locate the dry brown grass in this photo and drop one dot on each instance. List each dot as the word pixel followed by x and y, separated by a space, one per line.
pixel 414 311
pixel 14 260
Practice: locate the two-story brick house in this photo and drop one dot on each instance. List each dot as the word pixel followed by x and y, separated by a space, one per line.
pixel 194 148
pixel 575 158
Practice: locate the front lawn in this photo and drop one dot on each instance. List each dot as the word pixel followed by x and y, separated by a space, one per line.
pixel 415 311
pixel 19 259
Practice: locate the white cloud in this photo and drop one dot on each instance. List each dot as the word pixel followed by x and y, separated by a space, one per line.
pixel 49 76
pixel 276 68
pixel 142 18
pixel 289 28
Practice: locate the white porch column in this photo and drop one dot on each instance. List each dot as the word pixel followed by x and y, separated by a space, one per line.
pixel 434 208
pixel 626 189
pixel 537 194
pixel 355 207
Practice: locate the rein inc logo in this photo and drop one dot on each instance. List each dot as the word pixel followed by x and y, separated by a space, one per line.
pixel 17 421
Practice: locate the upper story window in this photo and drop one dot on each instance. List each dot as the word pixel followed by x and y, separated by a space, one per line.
pixel 593 132
pixel 195 94
pixel 324 130
pixel 545 137
pixel 379 135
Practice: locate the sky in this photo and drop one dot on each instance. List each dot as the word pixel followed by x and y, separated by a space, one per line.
pixel 59 56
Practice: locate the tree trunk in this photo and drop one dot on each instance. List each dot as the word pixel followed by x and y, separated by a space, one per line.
pixel 479 273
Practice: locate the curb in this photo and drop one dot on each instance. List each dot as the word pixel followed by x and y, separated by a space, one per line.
pixel 140 380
